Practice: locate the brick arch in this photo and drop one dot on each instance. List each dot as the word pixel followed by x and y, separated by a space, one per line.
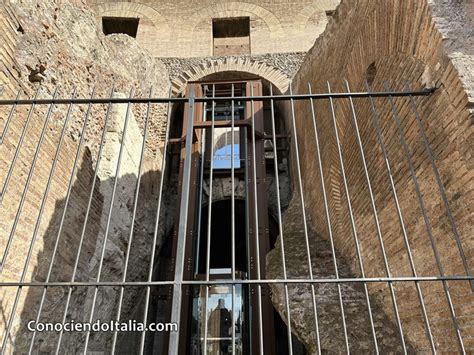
pixel 236 9
pixel 317 6
pixel 273 75
pixel 133 9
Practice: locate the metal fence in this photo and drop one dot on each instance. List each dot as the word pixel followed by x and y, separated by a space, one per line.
pixel 179 280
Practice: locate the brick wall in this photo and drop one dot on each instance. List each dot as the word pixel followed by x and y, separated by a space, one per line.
pixel 400 39
pixel 184 29
pixel 51 216
pixel 45 38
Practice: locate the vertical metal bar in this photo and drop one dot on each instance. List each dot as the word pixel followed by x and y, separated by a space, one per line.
pixel 282 241
pixel 109 217
pixel 17 152
pixel 28 180
pixel 257 238
pixel 183 219
pixel 428 227
pixel 157 221
pixel 200 195
pixel 303 211
pixel 442 191
pixel 247 226
pixel 326 207
pixel 86 217
pixel 56 244
pixel 374 210
pixel 209 219
pixel 10 116
pixel 134 212
pixel 233 217
pixel 395 196
pixel 40 213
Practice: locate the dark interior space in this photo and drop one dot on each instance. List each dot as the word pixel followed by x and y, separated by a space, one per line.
pixel 126 25
pixel 221 246
pixel 231 27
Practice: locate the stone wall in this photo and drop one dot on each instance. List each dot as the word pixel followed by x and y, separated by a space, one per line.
pixel 184 29
pixel 398 42
pixel 56 45
pixel 277 68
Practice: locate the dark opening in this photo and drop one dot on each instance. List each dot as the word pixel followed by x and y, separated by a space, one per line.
pixel 220 257
pixel 330 13
pixel 281 338
pixel 126 25
pixel 371 73
pixel 231 27
pixel 231 35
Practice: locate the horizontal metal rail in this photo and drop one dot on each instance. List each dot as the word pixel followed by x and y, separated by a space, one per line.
pixel 145 100
pixel 243 282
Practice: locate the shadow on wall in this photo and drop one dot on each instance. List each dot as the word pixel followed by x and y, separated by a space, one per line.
pixel 79 309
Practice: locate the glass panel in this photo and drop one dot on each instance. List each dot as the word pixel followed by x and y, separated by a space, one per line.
pixel 220 319
pixel 223 148
pixel 223 152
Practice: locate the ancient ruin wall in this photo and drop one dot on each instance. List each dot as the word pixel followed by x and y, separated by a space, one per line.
pixel 398 42
pixel 184 29
pixel 56 45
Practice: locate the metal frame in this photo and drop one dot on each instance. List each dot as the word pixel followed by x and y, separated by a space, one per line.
pixel 183 278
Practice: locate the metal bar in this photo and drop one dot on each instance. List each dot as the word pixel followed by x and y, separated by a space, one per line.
pixel 209 221
pixel 380 141
pixel 56 244
pixel 428 227
pixel 157 223
pixel 305 223
pixel 372 199
pixel 45 196
pixel 256 233
pixel 137 100
pixel 134 212
pixel 223 124
pixel 238 282
pixel 282 241
pixel 326 206
pixel 183 218
pixel 86 217
pixel 232 218
pixel 441 188
pixel 248 244
pixel 40 213
pixel 377 225
pixel 10 116
pixel 201 182
pixel 48 276
pixel 28 179
pixel 109 216
pixel 17 152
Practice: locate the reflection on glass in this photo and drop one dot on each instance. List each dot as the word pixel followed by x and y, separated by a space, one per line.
pixel 220 320
pixel 223 148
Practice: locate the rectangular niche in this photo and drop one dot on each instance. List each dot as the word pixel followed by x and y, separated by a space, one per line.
pixel 126 25
pixel 231 36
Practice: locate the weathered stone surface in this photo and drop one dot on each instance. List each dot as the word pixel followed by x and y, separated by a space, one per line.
pixel 277 68
pixel 326 294
pixel 455 21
